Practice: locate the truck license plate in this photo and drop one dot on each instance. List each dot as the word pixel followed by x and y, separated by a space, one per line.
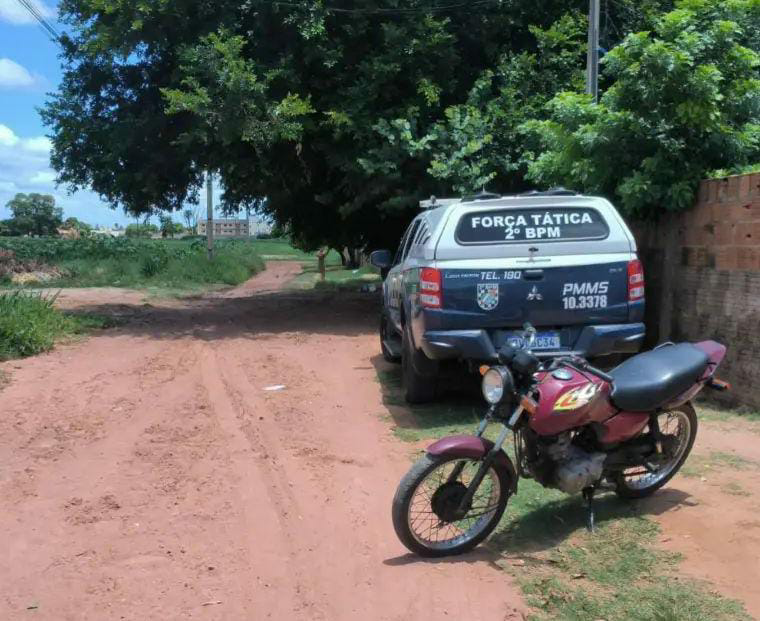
pixel 544 340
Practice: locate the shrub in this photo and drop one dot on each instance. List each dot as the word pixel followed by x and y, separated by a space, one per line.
pixel 29 324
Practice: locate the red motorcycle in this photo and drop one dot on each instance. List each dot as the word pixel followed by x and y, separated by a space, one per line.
pixel 576 428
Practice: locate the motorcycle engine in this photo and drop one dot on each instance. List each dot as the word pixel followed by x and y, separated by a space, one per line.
pixel 575 468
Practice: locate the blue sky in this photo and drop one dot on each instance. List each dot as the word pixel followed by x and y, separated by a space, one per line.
pixel 29 68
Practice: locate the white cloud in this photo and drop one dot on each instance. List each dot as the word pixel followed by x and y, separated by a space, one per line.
pixel 40 144
pixel 12 11
pixel 25 167
pixel 13 75
pixel 43 177
pixel 7 137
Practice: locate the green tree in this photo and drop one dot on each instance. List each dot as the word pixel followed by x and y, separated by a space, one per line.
pixel 75 223
pixel 683 100
pixel 140 230
pixel 191 219
pixel 343 120
pixel 34 214
pixel 169 228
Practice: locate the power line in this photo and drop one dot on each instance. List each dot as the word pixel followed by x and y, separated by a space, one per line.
pixel 389 11
pixel 44 23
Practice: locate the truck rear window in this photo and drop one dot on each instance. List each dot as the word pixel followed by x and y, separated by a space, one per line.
pixel 503 226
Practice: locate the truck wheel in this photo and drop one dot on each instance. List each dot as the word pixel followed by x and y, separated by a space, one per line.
pixel 420 374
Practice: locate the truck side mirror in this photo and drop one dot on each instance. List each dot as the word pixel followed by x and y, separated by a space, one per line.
pixel 381 259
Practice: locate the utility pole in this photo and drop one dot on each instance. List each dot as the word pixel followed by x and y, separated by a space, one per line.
pixel 209 215
pixel 592 60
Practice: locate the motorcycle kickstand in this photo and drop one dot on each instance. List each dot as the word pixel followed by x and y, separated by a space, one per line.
pixel 588 496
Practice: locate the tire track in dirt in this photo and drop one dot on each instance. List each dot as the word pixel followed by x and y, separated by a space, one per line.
pixel 177 488
pixel 264 507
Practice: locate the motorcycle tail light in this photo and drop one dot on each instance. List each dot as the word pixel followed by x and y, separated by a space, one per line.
pixel 635 281
pixel 430 288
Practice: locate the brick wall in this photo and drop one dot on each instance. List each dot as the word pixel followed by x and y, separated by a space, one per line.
pixel 704 266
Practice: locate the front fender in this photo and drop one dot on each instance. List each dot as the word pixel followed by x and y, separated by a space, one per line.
pixel 473 447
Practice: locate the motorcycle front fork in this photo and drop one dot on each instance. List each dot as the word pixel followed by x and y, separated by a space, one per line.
pixel 588 492
pixel 485 465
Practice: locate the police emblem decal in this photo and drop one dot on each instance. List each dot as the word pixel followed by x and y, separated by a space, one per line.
pixel 488 296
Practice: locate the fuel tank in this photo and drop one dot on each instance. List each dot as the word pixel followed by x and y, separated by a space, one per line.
pixel 570 399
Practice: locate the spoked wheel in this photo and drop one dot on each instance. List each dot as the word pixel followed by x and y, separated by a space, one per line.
pixel 425 508
pixel 679 430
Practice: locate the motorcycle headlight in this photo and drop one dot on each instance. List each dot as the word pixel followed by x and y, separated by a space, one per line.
pixel 497 383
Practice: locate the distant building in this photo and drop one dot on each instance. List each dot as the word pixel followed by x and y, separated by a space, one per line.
pixel 107 231
pixel 230 227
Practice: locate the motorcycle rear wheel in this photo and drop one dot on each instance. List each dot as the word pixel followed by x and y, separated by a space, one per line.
pixel 630 484
pixel 425 496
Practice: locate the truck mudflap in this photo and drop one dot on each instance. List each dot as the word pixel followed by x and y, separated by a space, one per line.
pixel 483 345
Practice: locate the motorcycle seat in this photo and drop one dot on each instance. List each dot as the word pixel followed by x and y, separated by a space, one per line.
pixel 650 380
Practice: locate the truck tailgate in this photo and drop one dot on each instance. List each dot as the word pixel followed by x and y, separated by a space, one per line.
pixel 500 297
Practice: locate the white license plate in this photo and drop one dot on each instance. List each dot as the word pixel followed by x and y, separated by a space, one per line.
pixel 544 340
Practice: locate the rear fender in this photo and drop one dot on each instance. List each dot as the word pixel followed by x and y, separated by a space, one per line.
pixel 473 447
pixel 715 353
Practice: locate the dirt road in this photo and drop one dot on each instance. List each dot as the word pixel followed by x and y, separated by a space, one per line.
pixel 148 473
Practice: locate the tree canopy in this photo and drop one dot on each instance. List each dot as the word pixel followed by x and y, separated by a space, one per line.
pixel 683 99
pixel 33 214
pixel 345 113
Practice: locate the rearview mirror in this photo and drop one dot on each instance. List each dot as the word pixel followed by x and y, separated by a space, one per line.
pixel 381 259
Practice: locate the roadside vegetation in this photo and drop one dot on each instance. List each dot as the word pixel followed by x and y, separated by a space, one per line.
pixel 337 277
pixel 566 573
pixel 136 263
pixel 30 324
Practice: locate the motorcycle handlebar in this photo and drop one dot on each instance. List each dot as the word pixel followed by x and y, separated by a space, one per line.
pixel 582 365
pixel 600 374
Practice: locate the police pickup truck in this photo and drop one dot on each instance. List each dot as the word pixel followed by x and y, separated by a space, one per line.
pixel 469 273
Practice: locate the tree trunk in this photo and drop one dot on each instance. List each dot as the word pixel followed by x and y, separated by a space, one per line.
pixel 352 259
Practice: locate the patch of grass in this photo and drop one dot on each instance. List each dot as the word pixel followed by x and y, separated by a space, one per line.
pixel 336 278
pixel 732 488
pixel 414 423
pixel 701 465
pixel 724 415
pixel 30 324
pixel 282 250
pixel 161 264
pixel 567 574
pixel 233 263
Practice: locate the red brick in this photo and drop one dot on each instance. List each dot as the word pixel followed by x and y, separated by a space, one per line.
pixel 726 258
pixel 732 187
pixel 703 194
pixel 744 186
pixel 754 183
pixel 713 190
pixel 747 259
pixel 722 190
pixel 724 234
pixel 744 235
pixel 702 214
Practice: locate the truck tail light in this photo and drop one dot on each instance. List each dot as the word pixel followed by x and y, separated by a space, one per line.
pixel 430 288
pixel 635 281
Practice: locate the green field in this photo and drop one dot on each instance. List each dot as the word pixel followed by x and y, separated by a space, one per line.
pixel 122 262
pixel 171 266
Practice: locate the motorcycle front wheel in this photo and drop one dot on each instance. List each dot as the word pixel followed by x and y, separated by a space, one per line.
pixel 679 430
pixel 428 496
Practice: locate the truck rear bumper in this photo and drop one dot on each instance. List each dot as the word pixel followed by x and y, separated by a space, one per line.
pixel 588 341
